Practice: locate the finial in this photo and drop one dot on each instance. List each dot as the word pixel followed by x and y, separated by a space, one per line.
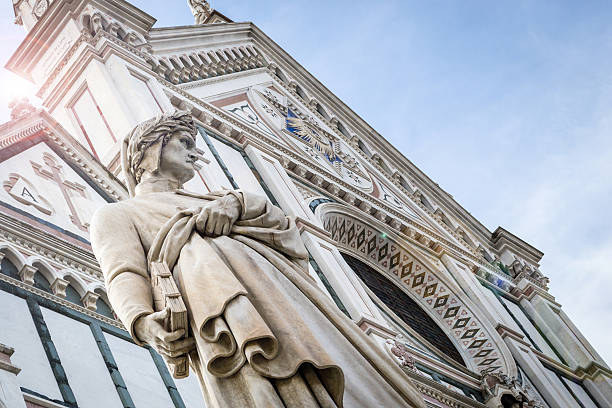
pixel 201 10
pixel 20 107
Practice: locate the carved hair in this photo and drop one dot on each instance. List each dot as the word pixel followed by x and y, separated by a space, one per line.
pixel 142 147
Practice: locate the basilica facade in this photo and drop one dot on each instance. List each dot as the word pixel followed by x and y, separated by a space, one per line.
pixel 464 311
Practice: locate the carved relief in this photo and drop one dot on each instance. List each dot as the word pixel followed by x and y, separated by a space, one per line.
pixel 402 354
pixel 53 173
pixel 310 135
pixel 500 389
pixel 383 192
pixel 244 111
pixel 519 270
pixel 20 108
pixel 23 191
pixel 40 7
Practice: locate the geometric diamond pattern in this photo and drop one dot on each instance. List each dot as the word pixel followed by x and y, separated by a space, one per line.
pixel 451 312
pixel 418 280
pixel 430 290
pixel 359 238
pixel 441 301
pixel 477 343
pixel 483 353
pixel 469 333
pixel 461 323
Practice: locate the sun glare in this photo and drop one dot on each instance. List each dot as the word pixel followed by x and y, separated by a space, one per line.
pixel 15 87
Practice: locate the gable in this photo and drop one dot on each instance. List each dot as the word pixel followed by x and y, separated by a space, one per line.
pixel 40 184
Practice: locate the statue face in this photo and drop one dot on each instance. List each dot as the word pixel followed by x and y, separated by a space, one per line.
pixel 178 157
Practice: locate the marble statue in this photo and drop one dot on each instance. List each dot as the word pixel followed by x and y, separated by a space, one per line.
pixel 261 333
pixel 200 10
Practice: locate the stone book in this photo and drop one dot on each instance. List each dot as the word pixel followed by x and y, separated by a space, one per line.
pixel 167 295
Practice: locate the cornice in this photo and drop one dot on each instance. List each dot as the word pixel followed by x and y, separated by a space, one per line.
pixel 27 236
pixel 162 39
pixel 502 237
pixel 213 80
pixel 41 123
pixel 440 393
pixel 60 301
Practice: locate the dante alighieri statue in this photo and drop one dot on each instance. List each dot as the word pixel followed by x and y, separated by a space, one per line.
pixel 259 332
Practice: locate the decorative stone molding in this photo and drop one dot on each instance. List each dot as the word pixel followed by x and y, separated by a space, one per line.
pixel 61 301
pixel 58 287
pixel 26 274
pixel 402 354
pixel 293 86
pixel 499 390
pixel 5 360
pixel 89 300
pixel 391 256
pixel 522 270
pixel 196 66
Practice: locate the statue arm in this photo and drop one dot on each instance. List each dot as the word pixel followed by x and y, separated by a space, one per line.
pixel 262 220
pixel 117 246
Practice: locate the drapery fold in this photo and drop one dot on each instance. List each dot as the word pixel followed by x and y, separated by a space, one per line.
pixel 233 329
pixel 259 319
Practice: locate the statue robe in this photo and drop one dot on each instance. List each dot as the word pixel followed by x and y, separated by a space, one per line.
pixel 266 335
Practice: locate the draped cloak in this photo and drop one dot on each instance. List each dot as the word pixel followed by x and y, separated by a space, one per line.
pixel 266 335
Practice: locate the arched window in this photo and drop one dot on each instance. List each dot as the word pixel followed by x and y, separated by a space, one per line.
pixel 41 282
pixel 404 307
pixel 73 296
pixel 9 269
pixel 104 309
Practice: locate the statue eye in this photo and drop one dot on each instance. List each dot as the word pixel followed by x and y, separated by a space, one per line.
pixel 187 142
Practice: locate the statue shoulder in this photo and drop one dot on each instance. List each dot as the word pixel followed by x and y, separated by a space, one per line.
pixel 112 215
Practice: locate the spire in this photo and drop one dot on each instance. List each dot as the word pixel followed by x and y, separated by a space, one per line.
pixel 201 10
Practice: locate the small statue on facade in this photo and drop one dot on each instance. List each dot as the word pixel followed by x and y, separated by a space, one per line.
pixel 201 10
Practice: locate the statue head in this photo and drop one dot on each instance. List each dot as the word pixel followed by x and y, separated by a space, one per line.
pixel 165 143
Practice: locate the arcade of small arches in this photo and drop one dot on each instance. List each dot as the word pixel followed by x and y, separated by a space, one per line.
pixel 64 283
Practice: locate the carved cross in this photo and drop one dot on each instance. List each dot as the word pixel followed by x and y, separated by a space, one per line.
pixel 54 174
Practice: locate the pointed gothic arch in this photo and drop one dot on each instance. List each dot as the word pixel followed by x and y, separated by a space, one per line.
pixel 479 345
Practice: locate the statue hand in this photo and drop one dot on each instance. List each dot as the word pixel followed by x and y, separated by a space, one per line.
pixel 150 329
pixel 218 216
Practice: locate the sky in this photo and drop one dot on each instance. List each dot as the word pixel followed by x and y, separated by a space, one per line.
pixel 507 105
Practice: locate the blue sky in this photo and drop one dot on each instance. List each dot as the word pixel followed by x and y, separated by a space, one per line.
pixel 507 105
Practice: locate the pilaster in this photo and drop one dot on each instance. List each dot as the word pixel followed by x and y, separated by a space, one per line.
pixel 279 183
pixel 344 284
pixel 529 362
pixel 491 308
pixel 544 311
pixel 598 380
